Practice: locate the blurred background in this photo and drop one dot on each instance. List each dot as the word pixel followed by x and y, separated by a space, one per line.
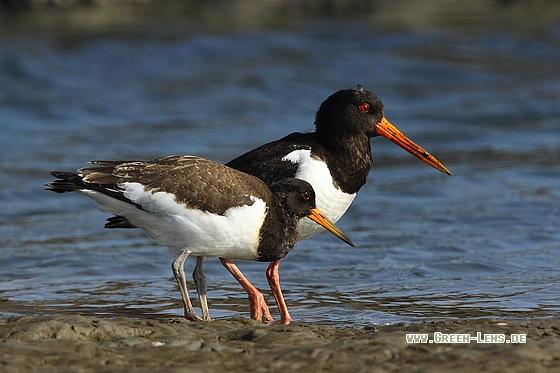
pixel 476 83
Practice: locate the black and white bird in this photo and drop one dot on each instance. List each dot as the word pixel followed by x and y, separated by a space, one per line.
pixel 205 209
pixel 336 158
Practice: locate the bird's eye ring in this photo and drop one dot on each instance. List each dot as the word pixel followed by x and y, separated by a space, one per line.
pixel 364 108
pixel 306 195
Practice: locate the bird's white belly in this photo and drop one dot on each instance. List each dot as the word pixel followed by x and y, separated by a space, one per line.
pixel 234 235
pixel 331 200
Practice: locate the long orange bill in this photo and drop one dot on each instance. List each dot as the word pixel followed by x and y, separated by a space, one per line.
pixel 318 217
pixel 392 133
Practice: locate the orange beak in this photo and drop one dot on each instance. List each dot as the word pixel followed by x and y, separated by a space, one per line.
pixel 390 132
pixel 318 217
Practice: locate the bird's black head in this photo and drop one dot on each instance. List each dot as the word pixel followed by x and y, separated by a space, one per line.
pixel 296 196
pixel 357 114
pixel 349 112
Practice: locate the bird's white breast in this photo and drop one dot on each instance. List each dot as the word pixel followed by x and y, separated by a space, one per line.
pixel 234 235
pixel 330 199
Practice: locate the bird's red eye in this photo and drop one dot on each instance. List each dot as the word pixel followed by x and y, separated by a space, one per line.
pixel 364 108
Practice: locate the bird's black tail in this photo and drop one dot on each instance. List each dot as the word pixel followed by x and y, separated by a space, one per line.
pixel 71 182
pixel 67 182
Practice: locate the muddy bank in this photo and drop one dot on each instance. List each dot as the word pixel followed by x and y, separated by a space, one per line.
pixel 88 344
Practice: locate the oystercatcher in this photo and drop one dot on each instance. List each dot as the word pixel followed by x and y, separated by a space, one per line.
pixel 336 158
pixel 200 207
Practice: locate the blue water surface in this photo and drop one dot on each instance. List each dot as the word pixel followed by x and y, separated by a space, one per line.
pixel 484 242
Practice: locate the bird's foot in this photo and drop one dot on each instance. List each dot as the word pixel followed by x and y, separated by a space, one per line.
pixel 206 317
pixel 284 321
pixel 192 316
pixel 259 308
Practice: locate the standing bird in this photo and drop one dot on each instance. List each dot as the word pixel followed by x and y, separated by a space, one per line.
pixel 335 159
pixel 199 207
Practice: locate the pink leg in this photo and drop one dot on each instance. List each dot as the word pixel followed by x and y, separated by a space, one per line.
pixel 256 298
pixel 274 283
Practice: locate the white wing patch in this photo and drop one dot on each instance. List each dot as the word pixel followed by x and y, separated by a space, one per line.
pixel 331 200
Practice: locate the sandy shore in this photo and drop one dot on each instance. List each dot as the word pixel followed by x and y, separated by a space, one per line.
pixel 89 344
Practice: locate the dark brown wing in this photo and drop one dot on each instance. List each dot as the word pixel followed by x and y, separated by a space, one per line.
pixel 195 183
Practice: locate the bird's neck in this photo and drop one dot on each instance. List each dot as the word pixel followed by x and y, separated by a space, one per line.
pixel 350 160
pixel 278 234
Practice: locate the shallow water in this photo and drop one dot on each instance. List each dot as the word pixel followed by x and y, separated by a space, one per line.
pixel 484 242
